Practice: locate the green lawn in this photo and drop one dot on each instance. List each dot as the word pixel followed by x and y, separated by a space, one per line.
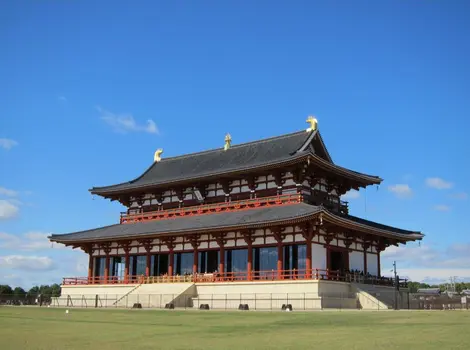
pixel 43 328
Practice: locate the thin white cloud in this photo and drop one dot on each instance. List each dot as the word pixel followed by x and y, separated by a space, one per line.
pixel 124 123
pixel 351 194
pixel 7 192
pixel 438 183
pixel 424 263
pixel 441 207
pixel 8 143
pixel 401 190
pixel 459 195
pixel 28 263
pixel 433 276
pixel 30 241
pixel 8 209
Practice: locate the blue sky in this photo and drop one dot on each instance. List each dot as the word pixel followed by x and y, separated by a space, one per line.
pixel 89 91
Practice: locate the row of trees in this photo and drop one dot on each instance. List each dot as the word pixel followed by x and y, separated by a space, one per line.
pixel 52 290
pixel 459 287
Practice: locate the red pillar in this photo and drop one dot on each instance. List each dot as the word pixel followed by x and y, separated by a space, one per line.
pixel 279 260
pixel 126 267
pixel 148 263
pixel 195 261
pixel 249 265
pixel 222 260
pixel 170 263
pixel 308 260
pixel 90 269
pixel 106 269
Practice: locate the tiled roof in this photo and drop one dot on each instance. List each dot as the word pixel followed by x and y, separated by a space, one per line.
pixel 252 218
pixel 243 157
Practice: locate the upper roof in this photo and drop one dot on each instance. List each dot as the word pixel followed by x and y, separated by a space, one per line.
pixel 253 218
pixel 263 153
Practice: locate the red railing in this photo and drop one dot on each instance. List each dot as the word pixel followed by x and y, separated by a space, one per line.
pixel 283 199
pixel 272 275
pixel 242 276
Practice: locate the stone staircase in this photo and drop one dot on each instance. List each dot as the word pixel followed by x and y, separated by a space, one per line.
pixel 374 297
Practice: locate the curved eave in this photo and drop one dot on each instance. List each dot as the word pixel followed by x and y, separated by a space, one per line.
pixel 354 175
pixel 264 224
pixel 363 179
pixel 327 216
pixel 389 233
pixel 114 189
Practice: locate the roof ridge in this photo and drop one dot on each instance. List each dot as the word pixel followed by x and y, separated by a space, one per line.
pixel 182 156
pixel 187 155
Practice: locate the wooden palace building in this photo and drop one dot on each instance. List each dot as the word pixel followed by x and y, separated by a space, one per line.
pixel 263 210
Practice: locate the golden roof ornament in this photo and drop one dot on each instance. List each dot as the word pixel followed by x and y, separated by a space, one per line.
pixel 313 123
pixel 228 142
pixel 158 155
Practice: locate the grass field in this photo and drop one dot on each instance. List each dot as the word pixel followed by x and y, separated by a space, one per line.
pixel 42 328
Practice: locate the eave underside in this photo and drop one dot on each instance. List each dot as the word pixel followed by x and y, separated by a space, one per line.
pixel 247 219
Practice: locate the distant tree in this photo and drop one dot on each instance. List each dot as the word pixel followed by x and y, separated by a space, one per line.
pixel 34 290
pixel 19 292
pixel 45 290
pixel 55 288
pixel 5 289
pixel 413 286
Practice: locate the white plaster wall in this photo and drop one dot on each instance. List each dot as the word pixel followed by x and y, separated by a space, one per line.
pixel 289 239
pixel 178 247
pixel 270 240
pixel 372 267
pixel 241 243
pixel 261 186
pixel 259 240
pixel 318 257
pixel 356 261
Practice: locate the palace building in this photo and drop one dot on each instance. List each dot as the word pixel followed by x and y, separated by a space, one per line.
pixel 268 210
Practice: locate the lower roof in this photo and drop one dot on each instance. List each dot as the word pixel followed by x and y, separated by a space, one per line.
pixel 252 218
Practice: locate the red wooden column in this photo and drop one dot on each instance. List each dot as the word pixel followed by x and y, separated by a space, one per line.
pixel 88 248
pixel 126 246
pixel 328 238
pixel 222 260
pixel 90 268
pixel 279 236
pixel 308 233
pixel 147 243
pixel 249 239
pixel 171 261
pixel 365 246
pixel 194 240
pixel 126 265
pixel 170 243
pixel 107 249
pixel 219 238
pixel 380 248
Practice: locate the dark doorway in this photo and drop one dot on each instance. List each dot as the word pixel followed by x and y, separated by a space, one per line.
pixel 339 261
pixel 212 261
pixel 160 264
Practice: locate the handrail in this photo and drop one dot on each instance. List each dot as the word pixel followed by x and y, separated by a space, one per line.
pixel 240 276
pixel 283 199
